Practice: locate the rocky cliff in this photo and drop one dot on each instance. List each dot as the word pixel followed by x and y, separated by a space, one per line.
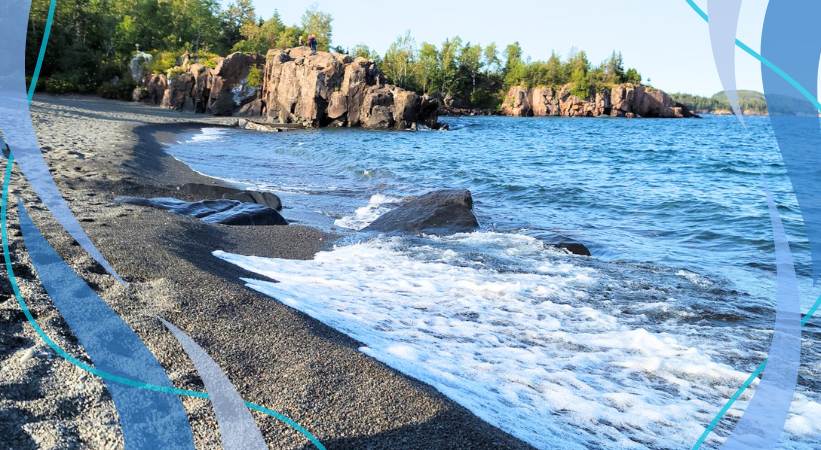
pixel 337 90
pixel 624 100
pixel 296 87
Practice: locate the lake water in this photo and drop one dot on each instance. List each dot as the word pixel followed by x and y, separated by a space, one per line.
pixel 638 346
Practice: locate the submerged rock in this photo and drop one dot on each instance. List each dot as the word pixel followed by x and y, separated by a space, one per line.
pixel 226 212
pixel 440 212
pixel 575 248
pixel 212 191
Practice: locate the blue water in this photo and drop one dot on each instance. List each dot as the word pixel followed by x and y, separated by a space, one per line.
pixel 674 211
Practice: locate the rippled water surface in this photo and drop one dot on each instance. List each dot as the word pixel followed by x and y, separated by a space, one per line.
pixel 636 347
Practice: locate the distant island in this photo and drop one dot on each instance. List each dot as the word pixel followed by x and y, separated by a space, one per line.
pixel 751 103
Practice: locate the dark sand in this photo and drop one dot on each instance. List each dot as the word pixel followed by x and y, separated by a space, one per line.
pixel 274 355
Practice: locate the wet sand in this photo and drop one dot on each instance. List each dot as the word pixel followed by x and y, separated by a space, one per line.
pixel 274 355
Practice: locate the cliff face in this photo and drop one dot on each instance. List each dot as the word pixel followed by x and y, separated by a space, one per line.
pixel 624 100
pixel 337 90
pixel 323 89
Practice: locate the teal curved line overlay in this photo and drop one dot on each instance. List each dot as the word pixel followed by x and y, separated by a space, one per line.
pixel 101 373
pixel 770 65
pixel 804 320
pixel 40 56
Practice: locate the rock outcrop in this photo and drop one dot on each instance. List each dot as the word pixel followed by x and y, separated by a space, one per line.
pixel 331 89
pixel 297 87
pixel 223 90
pixel 440 212
pixel 624 100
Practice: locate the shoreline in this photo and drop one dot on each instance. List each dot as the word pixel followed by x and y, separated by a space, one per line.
pixel 275 355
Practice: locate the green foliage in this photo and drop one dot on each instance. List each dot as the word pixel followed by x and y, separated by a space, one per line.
pixel 750 102
pixel 174 71
pixel 61 85
pixel 632 76
pixel 471 75
pixel 162 61
pixel 261 36
pixel 121 90
pixel 254 77
pixel 317 23
pixel 364 51
pixel 208 59
pixel 92 41
pixel 399 61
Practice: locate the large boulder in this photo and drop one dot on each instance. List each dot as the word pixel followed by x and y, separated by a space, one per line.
pixel 333 89
pixel 441 212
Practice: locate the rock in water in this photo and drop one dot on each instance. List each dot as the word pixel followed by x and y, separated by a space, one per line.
pixel 439 212
pixel 226 212
pixel 574 248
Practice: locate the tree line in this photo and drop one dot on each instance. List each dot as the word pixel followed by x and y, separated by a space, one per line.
pixel 93 40
pixel 472 75
pixel 750 102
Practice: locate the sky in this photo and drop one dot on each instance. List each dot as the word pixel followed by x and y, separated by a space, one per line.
pixel 664 39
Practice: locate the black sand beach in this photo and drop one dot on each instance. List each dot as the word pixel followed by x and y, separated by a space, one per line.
pixel 275 356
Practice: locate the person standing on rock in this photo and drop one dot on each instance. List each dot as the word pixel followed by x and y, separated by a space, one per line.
pixel 312 43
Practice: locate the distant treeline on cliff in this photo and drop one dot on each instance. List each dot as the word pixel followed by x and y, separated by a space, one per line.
pixel 92 42
pixel 750 102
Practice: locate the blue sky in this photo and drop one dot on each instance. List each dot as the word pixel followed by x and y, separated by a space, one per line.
pixel 664 39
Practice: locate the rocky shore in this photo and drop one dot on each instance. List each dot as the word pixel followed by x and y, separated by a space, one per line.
pixel 290 86
pixel 275 356
pixel 623 100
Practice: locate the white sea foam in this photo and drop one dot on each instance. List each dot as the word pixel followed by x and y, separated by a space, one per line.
pixel 362 217
pixel 207 134
pixel 521 348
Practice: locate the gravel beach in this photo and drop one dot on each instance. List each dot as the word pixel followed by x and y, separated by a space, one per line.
pixel 275 356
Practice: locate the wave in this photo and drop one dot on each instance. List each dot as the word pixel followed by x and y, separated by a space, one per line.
pixel 517 333
pixel 377 205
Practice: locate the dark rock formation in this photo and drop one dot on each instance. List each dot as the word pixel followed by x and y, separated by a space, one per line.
pixel 178 94
pixel 624 100
pixel 199 191
pixel 226 212
pixel 440 212
pixel 221 91
pixel 332 89
pixel 230 89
